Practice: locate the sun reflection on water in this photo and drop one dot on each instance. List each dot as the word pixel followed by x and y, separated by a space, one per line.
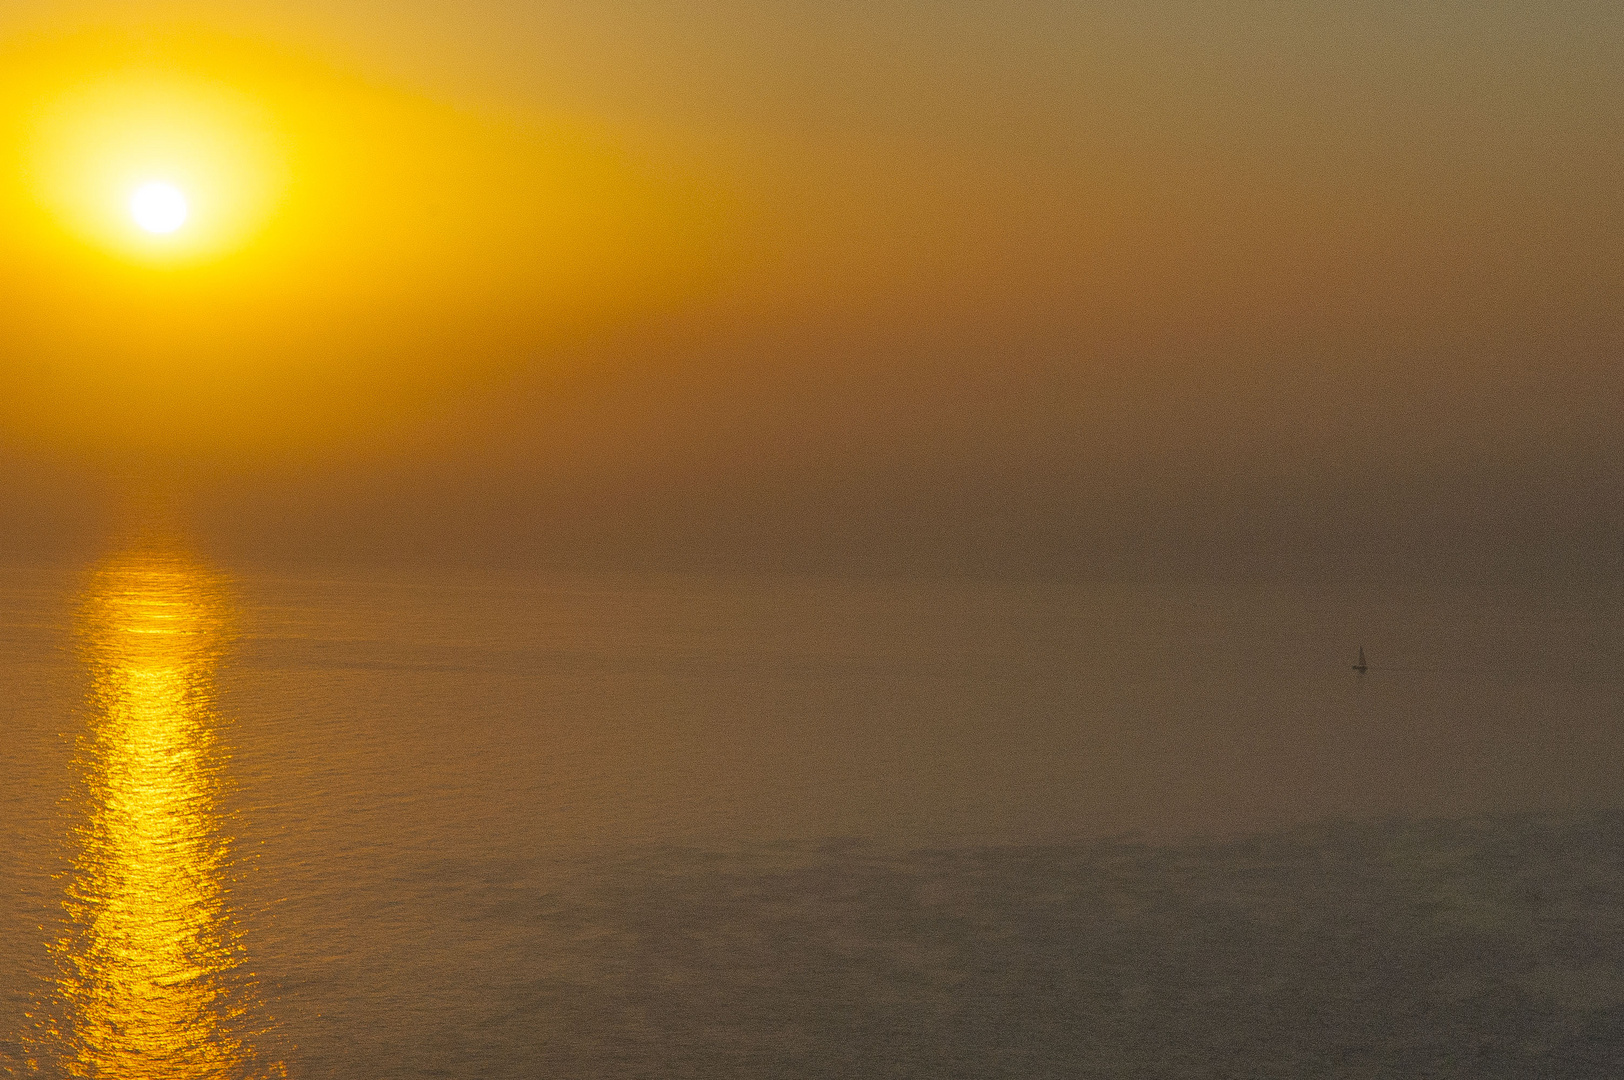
pixel 152 978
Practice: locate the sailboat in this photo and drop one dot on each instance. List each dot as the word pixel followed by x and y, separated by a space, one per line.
pixel 1361 667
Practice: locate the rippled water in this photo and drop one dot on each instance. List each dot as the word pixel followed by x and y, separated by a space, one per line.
pixel 354 825
pixel 150 969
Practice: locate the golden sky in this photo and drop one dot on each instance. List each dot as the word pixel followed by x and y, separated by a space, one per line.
pixel 352 246
pixel 1140 249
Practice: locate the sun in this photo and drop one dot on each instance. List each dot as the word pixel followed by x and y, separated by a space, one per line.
pixel 160 169
pixel 159 207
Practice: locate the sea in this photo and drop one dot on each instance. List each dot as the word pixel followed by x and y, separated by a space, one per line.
pixel 360 823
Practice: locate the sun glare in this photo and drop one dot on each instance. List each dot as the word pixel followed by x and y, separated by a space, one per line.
pixel 127 159
pixel 159 207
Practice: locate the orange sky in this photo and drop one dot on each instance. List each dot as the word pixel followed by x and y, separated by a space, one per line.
pixel 996 258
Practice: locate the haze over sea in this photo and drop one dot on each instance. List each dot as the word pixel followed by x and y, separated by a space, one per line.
pixel 807 539
pixel 619 825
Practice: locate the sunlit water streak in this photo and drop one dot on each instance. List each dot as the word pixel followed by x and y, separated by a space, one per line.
pixel 151 972
pixel 724 828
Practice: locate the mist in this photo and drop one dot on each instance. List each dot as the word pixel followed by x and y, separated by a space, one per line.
pixel 920 288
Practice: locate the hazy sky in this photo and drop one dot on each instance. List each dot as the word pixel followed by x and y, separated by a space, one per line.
pixel 1000 282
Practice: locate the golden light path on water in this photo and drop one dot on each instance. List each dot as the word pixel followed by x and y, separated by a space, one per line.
pixel 152 978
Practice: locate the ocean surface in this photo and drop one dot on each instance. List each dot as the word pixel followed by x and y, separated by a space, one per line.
pixel 355 825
